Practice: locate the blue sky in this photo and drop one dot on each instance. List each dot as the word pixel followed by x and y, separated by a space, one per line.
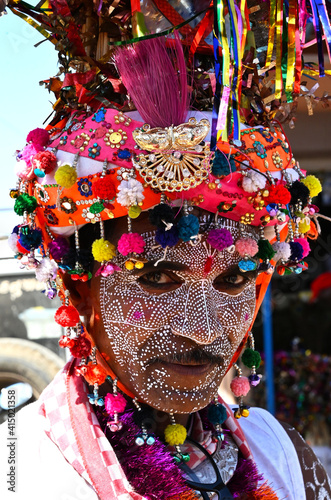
pixel 24 105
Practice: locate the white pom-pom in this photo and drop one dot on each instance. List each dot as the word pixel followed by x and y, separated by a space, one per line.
pixel 130 193
pixel 283 251
pixel 46 270
pixel 253 181
pixel 12 242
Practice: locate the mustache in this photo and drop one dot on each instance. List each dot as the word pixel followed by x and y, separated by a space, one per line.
pixel 198 355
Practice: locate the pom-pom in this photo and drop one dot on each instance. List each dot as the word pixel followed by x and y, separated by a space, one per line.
pixel 299 192
pixel 47 270
pixel 278 194
pixel 253 181
pixel 67 316
pixel 115 403
pixel 220 238
pixel 81 347
pixel 240 386
pixel 167 238
pixel 313 184
pixel 25 203
pixel 251 358
pixel 103 250
pixel 222 165
pixel 282 251
pixel 161 215
pixel 28 152
pixel 131 243
pixel 39 137
pixel 104 189
pixel 188 227
pixel 304 226
pixel 44 161
pixel 296 251
pixel 23 170
pixel 66 176
pixel 305 246
pixel 246 246
pixel 130 193
pixel 12 242
pixel 95 374
pixel 217 414
pixel 144 417
pixel 175 434
pixel 266 252
pixel 59 248
pixel 32 239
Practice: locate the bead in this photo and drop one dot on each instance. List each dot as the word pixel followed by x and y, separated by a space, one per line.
pixel 150 440
pixel 139 264
pixel 245 412
pixel 129 265
pixel 139 440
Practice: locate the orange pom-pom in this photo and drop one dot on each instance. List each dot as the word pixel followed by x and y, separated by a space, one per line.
pixel 67 316
pixel 95 374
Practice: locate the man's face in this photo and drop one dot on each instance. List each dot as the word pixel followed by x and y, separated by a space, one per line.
pixel 169 330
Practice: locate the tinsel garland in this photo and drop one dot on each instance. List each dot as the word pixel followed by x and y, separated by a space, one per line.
pixel 153 474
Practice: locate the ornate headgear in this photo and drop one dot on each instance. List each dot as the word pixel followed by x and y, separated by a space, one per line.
pixel 95 162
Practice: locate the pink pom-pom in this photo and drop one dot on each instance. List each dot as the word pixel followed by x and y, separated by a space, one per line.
pixel 246 246
pixel 131 242
pixel 220 238
pixel 29 152
pixel 23 171
pixel 240 386
pixel 38 137
pixel 115 403
pixel 305 246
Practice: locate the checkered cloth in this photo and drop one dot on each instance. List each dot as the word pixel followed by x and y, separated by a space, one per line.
pixel 74 428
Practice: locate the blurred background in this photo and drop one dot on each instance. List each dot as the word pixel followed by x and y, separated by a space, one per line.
pixel 292 333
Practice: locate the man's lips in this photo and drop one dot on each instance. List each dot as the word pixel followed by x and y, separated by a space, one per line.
pixel 188 369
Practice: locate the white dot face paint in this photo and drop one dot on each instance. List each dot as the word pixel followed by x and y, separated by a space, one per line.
pixel 172 329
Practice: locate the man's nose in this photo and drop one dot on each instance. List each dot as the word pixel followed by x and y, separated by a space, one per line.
pixel 198 319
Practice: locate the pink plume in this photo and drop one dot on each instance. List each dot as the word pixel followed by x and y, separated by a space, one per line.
pixel 156 79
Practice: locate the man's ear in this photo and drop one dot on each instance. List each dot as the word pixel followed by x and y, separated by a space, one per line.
pixel 80 294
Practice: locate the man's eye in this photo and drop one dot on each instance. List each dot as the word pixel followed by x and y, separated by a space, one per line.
pixel 159 280
pixel 231 283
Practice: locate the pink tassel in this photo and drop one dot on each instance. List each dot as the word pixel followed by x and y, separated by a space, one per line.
pixel 156 81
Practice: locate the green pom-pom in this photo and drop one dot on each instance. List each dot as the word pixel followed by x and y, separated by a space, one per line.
pixel 175 434
pixel 266 252
pixel 25 203
pixel 217 414
pixel 66 176
pixel 251 358
pixel 96 208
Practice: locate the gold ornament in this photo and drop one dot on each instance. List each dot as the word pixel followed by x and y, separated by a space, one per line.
pixel 177 161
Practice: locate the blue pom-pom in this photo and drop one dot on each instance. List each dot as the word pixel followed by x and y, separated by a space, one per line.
pixel 217 414
pixel 16 230
pixel 167 238
pixel 221 165
pixel 296 251
pixel 31 240
pixel 247 265
pixel 188 227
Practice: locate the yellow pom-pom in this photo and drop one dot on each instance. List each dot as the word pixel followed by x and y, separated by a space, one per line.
pixel 175 434
pixel 313 184
pixel 66 176
pixel 103 250
pixel 304 226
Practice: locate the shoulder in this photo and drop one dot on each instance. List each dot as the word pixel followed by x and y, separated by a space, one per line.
pixel 274 454
pixel 284 458
pixel 37 466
